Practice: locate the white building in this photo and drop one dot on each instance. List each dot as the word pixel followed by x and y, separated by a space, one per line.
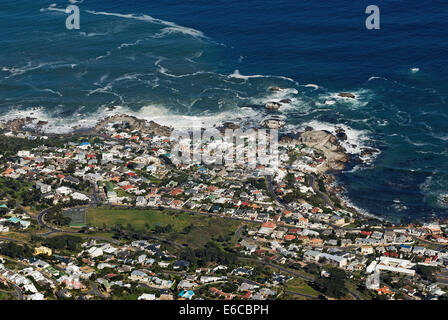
pixel 64 191
pixel 396 265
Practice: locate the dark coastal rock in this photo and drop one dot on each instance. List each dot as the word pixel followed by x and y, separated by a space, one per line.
pixel 340 134
pixel 367 152
pixel 287 138
pixel 17 124
pixel 230 125
pixel 275 89
pixel 285 101
pixel 42 123
pixel 66 113
pixel 347 95
pixel 273 105
pixel 308 128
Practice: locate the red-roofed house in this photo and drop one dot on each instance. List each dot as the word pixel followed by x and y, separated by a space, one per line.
pixel 176 192
pixel 8 171
pixel 228 296
pixel 269 224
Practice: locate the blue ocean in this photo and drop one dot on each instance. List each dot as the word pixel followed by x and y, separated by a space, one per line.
pixel 178 61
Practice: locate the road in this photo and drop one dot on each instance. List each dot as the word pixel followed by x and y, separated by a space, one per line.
pixel 17 292
pixel 300 294
pixel 41 221
pixel 312 184
pixel 279 201
pixel 11 239
pixel 355 295
pixel 95 291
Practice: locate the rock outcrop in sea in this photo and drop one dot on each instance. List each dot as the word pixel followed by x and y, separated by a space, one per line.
pixel 273 123
pixel 329 145
pixel 347 95
pixel 273 106
pixel 135 123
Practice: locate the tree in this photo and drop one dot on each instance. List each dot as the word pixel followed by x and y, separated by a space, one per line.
pixel 67 242
pixel 334 286
pixel 427 272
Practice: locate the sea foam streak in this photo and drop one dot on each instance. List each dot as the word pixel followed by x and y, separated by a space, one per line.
pixel 237 75
pixel 173 27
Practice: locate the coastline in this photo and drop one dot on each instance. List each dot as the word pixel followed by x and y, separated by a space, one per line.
pixel 331 143
pixel 320 139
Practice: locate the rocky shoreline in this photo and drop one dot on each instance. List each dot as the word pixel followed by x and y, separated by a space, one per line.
pixel 34 125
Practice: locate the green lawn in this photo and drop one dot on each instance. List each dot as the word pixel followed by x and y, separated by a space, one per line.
pixel 194 230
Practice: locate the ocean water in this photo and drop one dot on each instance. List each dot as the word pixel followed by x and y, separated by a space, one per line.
pixel 179 61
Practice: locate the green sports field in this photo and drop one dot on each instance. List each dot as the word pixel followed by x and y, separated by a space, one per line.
pixel 188 228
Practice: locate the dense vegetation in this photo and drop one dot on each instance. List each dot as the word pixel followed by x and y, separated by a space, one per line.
pixel 14 250
pixel 54 215
pixel 11 145
pixel 211 252
pixel 65 242
pixel 427 272
pixel 333 286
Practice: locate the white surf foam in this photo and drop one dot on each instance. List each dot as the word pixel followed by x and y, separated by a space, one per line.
pixel 158 114
pixel 16 71
pixel 173 27
pixel 237 75
pixel 173 30
pixel 92 34
pixel 53 7
pixel 376 78
pixel 311 85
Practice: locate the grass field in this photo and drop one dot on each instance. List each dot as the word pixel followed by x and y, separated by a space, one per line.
pixel 136 218
pixel 5 296
pixel 193 230
pixel 299 285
